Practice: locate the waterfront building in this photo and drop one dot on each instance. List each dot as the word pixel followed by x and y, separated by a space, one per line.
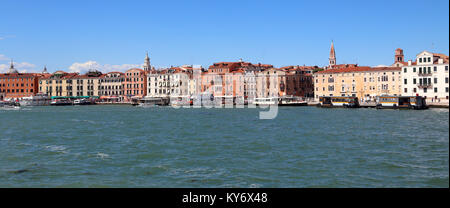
pixel 57 84
pixel 170 83
pixel 363 82
pixel 135 84
pixel 299 80
pixel 112 87
pixel 271 83
pixel 15 85
pixel 195 81
pixel 427 76
pixel 63 84
pixel 232 80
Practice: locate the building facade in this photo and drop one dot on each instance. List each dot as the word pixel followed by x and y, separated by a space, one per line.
pixel 112 87
pixel 15 85
pixel 135 84
pixel 170 83
pixel 366 83
pixel 63 84
pixel 427 76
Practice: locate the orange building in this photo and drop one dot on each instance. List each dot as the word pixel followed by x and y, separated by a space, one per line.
pixel 17 85
pixel 135 84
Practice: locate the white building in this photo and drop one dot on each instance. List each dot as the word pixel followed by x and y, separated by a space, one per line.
pixel 427 76
pixel 169 83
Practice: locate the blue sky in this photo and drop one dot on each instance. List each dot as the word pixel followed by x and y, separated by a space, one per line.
pixel 66 35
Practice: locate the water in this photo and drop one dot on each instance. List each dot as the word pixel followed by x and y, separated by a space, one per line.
pixel 125 146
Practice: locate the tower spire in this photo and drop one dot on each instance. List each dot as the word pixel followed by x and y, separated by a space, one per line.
pixel 45 70
pixel 332 59
pixel 11 68
pixel 147 66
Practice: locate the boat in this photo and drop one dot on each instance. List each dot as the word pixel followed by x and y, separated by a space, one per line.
pixel 8 105
pixel 292 101
pixel 401 102
pixel 266 101
pixel 151 101
pixel 338 102
pixel 180 101
pixel 39 99
pixel 146 105
pixel 83 101
pixel 61 102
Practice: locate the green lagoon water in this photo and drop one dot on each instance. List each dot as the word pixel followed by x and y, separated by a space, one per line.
pixel 125 146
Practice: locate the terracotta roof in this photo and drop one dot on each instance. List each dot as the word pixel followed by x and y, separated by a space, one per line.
pixel 441 56
pixel 135 69
pixel 359 69
pixel 20 74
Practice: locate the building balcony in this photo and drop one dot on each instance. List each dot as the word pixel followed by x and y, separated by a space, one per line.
pixel 424 74
pixel 426 85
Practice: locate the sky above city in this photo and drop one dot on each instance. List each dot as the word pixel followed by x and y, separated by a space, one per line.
pixel 115 35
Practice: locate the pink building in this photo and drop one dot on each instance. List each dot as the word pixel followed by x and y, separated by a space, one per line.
pixel 135 84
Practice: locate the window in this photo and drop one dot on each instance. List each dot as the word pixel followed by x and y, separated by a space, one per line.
pixel 435 89
pixel 446 80
pixel 435 80
pixel 414 81
pixel 425 90
pixel 414 69
pixel 420 60
pixel 414 89
pixel 435 69
pixel 404 70
pixel 406 90
pixel 446 68
pixel 406 81
pixel 429 59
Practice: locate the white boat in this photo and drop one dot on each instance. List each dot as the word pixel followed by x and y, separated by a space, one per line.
pixel 146 105
pixel 59 102
pixel 83 102
pixel 4 105
pixel 292 101
pixel 37 100
pixel 266 101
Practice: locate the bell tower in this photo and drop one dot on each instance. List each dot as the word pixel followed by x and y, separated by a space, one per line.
pixel 399 57
pixel 147 66
pixel 332 59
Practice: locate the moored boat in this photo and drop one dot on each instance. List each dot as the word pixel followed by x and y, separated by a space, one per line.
pixel 292 101
pixel 83 102
pixel 338 102
pixel 266 101
pixel 37 100
pixel 401 102
pixel 60 102
pixel 9 105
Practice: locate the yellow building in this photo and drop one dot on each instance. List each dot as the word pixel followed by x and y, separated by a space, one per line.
pixel 71 84
pixel 363 82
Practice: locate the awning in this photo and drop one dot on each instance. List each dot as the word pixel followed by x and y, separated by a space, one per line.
pixel 109 97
